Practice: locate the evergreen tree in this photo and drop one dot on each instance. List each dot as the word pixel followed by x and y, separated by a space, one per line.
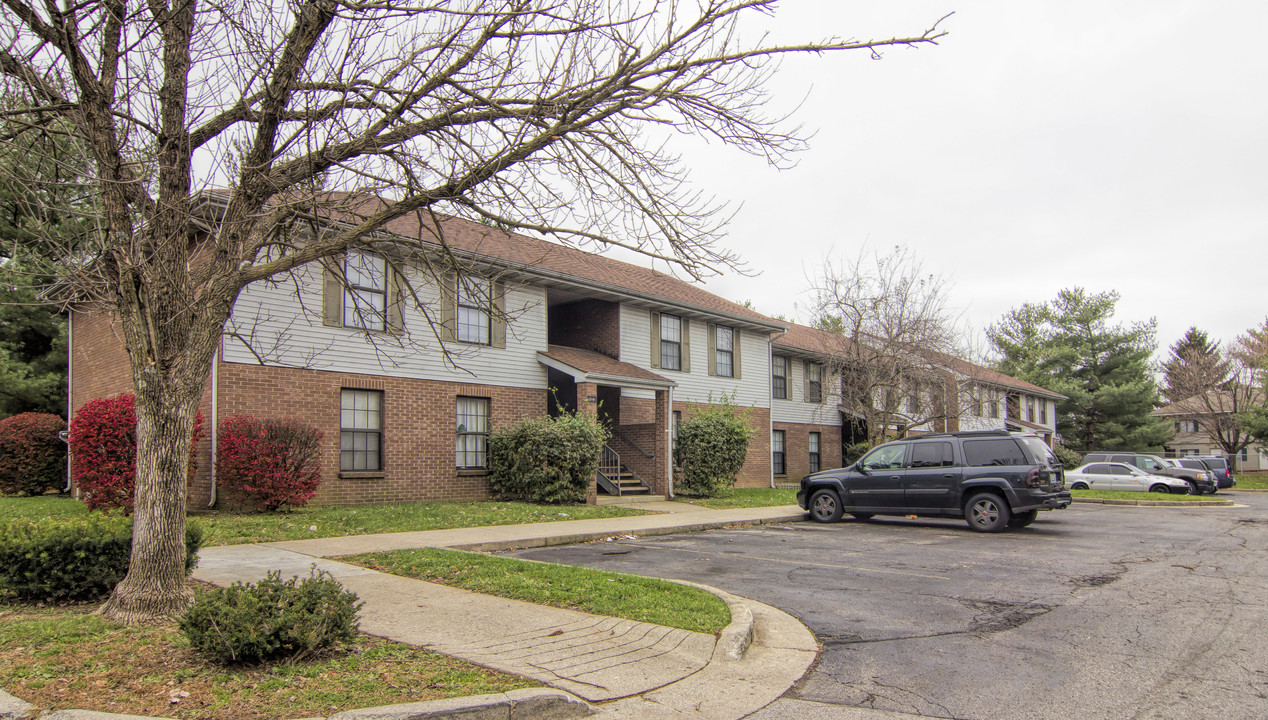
pixel 1193 348
pixel 1069 346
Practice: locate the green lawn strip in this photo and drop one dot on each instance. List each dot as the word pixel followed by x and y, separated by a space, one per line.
pixel 564 586
pixel 1142 496
pixel 224 528
pixel 746 497
pixel 1251 481
pixel 64 657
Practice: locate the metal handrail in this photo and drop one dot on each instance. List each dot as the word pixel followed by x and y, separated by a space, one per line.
pixel 610 465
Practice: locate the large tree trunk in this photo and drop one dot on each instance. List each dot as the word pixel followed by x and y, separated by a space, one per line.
pixel 155 584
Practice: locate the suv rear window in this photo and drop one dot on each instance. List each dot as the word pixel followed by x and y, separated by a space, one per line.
pixel 1039 452
pixel 1004 451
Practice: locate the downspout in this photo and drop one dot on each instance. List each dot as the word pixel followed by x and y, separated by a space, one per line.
pixel 70 396
pixel 669 442
pixel 215 399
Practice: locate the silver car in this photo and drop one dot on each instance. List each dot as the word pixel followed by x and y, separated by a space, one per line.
pixel 1121 476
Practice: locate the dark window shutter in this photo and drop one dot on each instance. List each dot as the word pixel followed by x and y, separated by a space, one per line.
pixel 712 331
pixel 497 318
pixel 331 295
pixel 686 345
pixel 655 338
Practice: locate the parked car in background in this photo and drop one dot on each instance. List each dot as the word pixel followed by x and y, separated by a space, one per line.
pixel 1200 481
pixel 1199 465
pixel 993 479
pixel 1123 477
pixel 1219 466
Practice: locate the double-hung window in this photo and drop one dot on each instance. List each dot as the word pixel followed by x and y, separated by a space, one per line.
pixel 1030 409
pixel 779 377
pixel 473 304
pixel 471 450
pixel 814 382
pixel 777 452
pixel 814 452
pixel 1043 412
pixel 724 351
pixel 993 404
pixel 365 296
pixel 670 342
pixel 361 430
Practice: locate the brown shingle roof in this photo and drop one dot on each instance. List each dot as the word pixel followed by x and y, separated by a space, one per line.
pixel 590 362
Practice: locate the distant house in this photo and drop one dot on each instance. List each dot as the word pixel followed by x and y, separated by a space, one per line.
pixel 510 327
pixel 1192 421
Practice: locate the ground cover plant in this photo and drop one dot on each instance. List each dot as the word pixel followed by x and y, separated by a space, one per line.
pixel 632 597
pixel 65 657
pixel 1141 496
pixel 1252 481
pixel 227 528
pixel 746 497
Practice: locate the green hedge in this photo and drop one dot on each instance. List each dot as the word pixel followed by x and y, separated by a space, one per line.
pixel 271 619
pixel 546 460
pixel 80 558
pixel 711 448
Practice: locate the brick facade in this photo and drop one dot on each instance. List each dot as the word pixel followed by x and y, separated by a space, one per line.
pixel 756 469
pixel 589 325
pixel 797 449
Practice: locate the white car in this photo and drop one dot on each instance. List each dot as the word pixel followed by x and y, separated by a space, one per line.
pixel 1121 476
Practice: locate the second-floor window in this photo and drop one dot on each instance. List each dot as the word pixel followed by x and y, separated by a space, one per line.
pixel 1043 412
pixel 779 377
pixel 365 295
pixel 992 405
pixel 473 304
pixel 814 382
pixel 1030 409
pixel 670 342
pixel 724 351
pixel 975 401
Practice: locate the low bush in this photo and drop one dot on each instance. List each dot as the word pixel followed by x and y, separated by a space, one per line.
pixel 853 452
pixel 711 448
pixel 79 558
pixel 272 619
pixel 270 464
pixel 1068 458
pixel 103 451
pixel 546 460
pixel 32 455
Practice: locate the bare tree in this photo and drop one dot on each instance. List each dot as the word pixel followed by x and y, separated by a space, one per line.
pixel 1216 386
pixel 898 342
pixel 321 121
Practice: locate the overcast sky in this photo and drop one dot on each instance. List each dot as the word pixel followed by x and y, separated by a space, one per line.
pixel 1113 145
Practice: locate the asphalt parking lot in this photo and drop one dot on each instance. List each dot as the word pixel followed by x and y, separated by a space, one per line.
pixel 1091 612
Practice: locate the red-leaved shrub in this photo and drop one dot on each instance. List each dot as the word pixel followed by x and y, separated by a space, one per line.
pixel 32 456
pixel 103 451
pixel 270 463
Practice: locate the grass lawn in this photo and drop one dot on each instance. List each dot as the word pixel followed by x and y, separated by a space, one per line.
pixel 64 657
pixel 1125 495
pixel 1251 481
pixel 565 586
pixel 338 521
pixel 746 497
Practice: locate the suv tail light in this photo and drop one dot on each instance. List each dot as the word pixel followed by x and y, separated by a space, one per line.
pixel 1032 478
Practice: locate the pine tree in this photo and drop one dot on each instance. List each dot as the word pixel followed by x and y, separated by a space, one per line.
pixel 1068 346
pixel 1194 347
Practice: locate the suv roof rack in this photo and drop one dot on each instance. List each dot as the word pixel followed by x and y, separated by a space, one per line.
pixel 960 433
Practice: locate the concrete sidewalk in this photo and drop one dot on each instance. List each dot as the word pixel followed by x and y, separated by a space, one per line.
pixel 636 670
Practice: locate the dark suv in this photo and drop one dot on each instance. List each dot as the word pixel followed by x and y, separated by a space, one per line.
pixel 1220 469
pixel 993 479
pixel 1199 481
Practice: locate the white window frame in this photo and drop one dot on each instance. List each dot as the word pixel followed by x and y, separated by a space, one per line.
pixel 360 430
pixel 365 293
pixel 471 433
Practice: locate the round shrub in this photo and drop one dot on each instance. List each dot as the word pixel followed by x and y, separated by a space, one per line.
pixel 546 460
pixel 269 463
pixel 272 619
pixel 32 455
pixel 711 448
pixel 103 451
pixel 80 558
pixel 1068 458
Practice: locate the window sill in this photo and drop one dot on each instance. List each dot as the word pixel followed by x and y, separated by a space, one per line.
pixel 472 472
pixel 361 474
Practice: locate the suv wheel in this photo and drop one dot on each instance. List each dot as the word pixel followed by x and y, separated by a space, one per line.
pixel 1021 520
pixel 987 512
pixel 825 506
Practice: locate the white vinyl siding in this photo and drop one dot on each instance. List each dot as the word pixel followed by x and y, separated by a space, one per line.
pixel 284 334
pixel 795 409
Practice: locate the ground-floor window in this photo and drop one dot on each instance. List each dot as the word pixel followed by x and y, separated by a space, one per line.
pixel 777 451
pixel 814 452
pixel 361 430
pixel 473 432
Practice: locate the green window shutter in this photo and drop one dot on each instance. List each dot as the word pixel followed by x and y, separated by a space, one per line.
pixel 396 292
pixel 735 352
pixel 686 345
pixel 497 318
pixel 655 316
pixel 331 295
pixel 711 331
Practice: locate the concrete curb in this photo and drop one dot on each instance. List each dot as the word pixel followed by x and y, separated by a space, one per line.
pixel 528 704
pixel 578 538
pixel 12 708
pixel 1157 503
pixel 735 638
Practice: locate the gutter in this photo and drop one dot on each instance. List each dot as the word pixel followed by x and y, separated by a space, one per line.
pixel 215 398
pixel 70 395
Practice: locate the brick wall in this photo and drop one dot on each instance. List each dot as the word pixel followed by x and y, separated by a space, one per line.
pixel 797 449
pixel 589 325
pixel 419 419
pixel 637 411
pixel 756 469
pixel 633 442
